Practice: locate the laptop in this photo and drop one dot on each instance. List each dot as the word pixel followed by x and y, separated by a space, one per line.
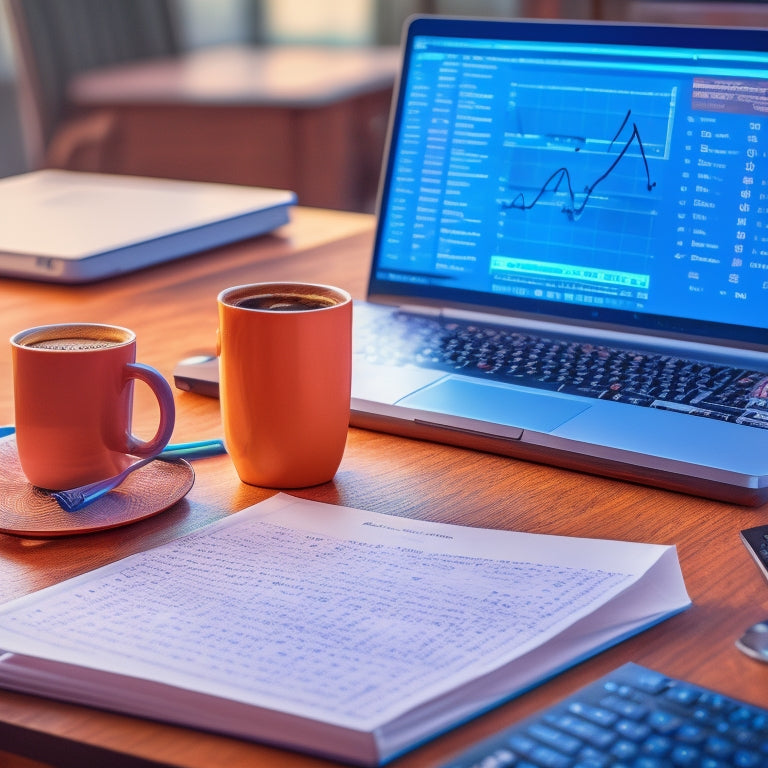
pixel 571 257
pixel 75 227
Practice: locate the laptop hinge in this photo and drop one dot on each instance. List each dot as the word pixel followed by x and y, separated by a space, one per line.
pixel 420 309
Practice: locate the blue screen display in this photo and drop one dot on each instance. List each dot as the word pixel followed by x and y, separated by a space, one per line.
pixel 615 181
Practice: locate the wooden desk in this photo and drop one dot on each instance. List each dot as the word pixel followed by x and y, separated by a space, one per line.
pixel 173 311
pixel 310 119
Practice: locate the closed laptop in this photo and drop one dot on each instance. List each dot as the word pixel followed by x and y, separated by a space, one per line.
pixel 75 227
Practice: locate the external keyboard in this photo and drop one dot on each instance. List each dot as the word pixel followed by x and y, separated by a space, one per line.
pixel 632 718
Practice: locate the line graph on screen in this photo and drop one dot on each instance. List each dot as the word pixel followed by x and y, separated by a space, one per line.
pixel 575 152
pixel 562 177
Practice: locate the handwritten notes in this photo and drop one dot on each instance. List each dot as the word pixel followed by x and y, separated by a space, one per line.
pixel 321 611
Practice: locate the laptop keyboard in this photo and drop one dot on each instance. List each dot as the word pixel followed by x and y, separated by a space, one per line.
pixel 632 718
pixel 590 370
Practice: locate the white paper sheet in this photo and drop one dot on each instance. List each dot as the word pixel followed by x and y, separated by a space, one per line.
pixel 335 614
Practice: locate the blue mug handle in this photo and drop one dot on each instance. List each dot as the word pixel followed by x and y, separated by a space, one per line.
pixel 162 391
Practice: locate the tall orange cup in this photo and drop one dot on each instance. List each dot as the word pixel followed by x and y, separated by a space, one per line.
pixel 285 371
pixel 73 397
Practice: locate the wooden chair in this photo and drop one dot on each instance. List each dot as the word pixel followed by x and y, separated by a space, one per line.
pixel 54 42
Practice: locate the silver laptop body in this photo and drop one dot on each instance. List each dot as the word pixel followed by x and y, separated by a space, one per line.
pixel 596 185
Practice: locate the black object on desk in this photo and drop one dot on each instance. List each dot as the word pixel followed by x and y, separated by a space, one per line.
pixel 756 542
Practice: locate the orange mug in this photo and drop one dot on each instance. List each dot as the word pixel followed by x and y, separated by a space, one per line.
pixel 73 396
pixel 285 372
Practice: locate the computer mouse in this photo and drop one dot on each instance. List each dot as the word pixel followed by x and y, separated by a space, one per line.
pixel 754 642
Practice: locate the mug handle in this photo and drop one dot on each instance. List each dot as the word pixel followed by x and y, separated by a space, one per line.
pixel 162 391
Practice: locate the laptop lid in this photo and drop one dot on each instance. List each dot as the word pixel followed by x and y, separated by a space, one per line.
pixel 604 175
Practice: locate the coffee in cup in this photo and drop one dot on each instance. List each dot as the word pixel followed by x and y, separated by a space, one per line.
pixel 287 302
pixel 71 345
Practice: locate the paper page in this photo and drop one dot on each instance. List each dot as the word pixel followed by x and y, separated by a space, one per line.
pixel 340 615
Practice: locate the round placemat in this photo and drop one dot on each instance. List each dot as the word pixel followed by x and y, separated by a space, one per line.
pixel 29 511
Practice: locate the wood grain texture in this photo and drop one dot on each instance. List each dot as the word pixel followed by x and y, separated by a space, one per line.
pixel 173 311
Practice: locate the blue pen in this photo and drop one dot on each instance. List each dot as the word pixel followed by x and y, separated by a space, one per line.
pixel 198 449
pixel 77 498
pixel 6 430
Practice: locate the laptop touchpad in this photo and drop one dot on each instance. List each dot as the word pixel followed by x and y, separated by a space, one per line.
pixel 494 403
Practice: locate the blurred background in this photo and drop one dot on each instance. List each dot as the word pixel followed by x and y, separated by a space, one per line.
pixel 282 93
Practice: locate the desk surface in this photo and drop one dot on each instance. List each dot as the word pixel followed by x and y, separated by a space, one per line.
pixel 173 311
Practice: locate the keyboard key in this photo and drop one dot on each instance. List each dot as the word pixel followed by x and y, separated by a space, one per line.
pixel 555 738
pixel 664 722
pixel 658 745
pixel 685 756
pixel 629 729
pixel 589 732
pixel 596 715
pixel 716 746
pixel 625 750
pixel 683 694
pixel 746 758
pixel 691 733
pixel 623 707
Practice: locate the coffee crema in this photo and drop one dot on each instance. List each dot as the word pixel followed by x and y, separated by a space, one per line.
pixel 286 302
pixel 71 344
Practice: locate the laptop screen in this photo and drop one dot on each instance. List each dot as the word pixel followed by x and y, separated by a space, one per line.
pixel 608 173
